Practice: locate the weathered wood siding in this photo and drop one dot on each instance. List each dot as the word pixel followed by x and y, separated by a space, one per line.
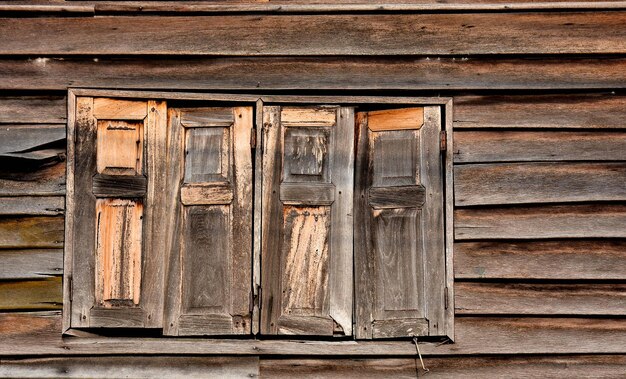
pixel 539 94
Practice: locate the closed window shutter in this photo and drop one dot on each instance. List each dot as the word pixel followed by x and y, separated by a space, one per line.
pixel 307 239
pixel 210 192
pixel 399 224
pixel 116 279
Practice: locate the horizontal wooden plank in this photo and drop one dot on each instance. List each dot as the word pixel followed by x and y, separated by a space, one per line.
pixel 30 264
pixel 523 183
pixel 18 138
pixel 447 367
pixel 540 299
pixel 119 185
pixel 341 73
pixel 32 205
pixel 553 260
pixel 206 194
pixel 31 232
pixel 575 221
pixel 302 35
pixel 524 146
pixel 599 111
pixel 397 197
pixel 32 109
pixel 35 334
pixel 28 180
pixel 132 367
pixel 31 295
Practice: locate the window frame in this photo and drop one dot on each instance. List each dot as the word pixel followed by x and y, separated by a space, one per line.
pixel 446 104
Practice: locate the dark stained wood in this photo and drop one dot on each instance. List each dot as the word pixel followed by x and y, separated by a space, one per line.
pixel 523 146
pixel 603 111
pixel 386 73
pixel 450 367
pixel 540 299
pixel 519 183
pixel 30 263
pixel 119 185
pixel 31 295
pixel 38 109
pixel 132 367
pixel 554 260
pixel 34 334
pixel 575 221
pixel 47 180
pixel 400 34
pixel 31 232
pixel 32 205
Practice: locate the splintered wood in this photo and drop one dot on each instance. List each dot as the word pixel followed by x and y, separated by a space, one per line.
pixel 118 252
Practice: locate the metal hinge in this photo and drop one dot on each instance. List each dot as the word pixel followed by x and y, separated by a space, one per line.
pixel 253 139
pixel 445 298
pixel 443 141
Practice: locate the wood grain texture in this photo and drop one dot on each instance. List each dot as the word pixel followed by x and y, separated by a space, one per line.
pixel 132 367
pixel 119 186
pixel 31 232
pixel 46 180
pixel 35 109
pixel 575 221
pixel 552 260
pixel 524 146
pixel 30 263
pixel 522 183
pixel 32 205
pixel 402 34
pixel 16 138
pixel 441 367
pixel 34 334
pixel 395 119
pixel 540 299
pixel 206 194
pixel 337 73
pixel 593 111
pixel 31 295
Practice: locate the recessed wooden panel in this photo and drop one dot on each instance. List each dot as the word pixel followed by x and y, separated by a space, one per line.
pixel 396 239
pixel 207 155
pixel 307 153
pixel 120 147
pixel 118 252
pixel 394 156
pixel 305 261
pixel 204 194
pixel 206 253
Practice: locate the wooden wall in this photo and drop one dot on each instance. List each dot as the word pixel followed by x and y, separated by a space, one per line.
pixel 540 166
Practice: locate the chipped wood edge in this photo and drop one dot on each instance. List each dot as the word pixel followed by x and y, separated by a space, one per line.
pixel 69 214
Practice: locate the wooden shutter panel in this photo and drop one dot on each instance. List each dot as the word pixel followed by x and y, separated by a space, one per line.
pixel 114 196
pixel 399 224
pixel 209 275
pixel 307 187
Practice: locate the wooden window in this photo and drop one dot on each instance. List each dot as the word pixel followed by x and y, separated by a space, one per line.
pixel 338 227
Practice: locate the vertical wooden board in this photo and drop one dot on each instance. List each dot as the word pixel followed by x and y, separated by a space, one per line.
pixel 449 220
pixel 84 204
pixel 68 251
pixel 433 221
pixel 118 252
pixel 257 228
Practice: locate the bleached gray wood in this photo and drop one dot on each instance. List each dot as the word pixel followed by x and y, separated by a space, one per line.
pixel 30 263
pixel 32 205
